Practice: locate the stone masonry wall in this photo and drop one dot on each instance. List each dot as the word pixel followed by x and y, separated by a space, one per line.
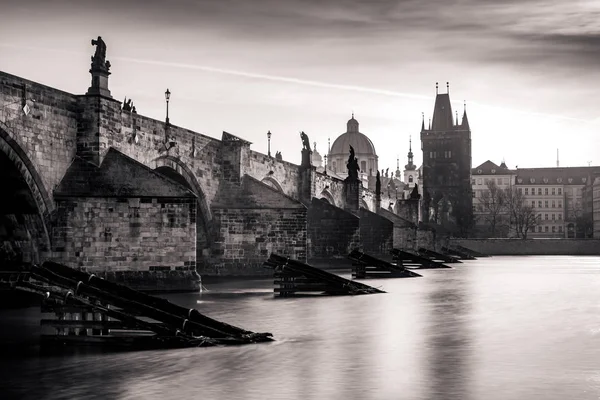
pixel 405 232
pixel 246 237
pixel 376 234
pixel 332 232
pixel 287 175
pixel 48 133
pixel 119 239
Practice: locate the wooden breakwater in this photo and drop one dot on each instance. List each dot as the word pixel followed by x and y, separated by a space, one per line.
pixel 90 310
pixel 294 278
pixel 365 266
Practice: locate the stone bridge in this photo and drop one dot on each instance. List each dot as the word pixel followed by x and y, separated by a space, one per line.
pixel 90 183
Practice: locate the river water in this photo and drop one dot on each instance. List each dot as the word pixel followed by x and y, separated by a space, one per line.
pixel 493 328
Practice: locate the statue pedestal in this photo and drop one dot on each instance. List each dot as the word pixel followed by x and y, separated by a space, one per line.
pixel 306 161
pixel 352 195
pixel 99 83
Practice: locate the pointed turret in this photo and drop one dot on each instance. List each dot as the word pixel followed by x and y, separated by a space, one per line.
pixel 423 122
pixel 465 120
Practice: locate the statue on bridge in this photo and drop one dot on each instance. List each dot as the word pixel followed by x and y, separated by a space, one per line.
pixel 352 166
pixel 305 141
pixel 306 151
pixel 99 57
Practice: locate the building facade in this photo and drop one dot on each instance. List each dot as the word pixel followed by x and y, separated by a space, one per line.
pixel 557 194
pixel 481 177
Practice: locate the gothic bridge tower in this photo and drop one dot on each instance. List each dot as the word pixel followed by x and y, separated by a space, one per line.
pixel 446 146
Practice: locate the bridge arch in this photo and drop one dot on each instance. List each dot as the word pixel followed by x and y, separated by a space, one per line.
pixel 25 206
pixel 364 204
pixel 268 180
pixel 326 195
pixel 177 170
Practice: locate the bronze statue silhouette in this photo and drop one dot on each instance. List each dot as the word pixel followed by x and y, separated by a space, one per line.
pixel 305 142
pixel 99 57
pixel 352 165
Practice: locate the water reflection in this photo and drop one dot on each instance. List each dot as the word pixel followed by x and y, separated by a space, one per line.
pixel 448 340
pixel 502 328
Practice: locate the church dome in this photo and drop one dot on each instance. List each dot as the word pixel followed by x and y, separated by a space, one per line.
pixel 360 142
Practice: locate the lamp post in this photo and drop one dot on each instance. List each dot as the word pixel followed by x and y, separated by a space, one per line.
pixel 167 97
pixel 269 140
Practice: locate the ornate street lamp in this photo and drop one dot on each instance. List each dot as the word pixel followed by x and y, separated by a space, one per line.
pixel 269 140
pixel 167 97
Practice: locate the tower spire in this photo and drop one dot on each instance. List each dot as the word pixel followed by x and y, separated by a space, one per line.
pixel 465 120
pixel 436 88
pixel 448 87
pixel 422 121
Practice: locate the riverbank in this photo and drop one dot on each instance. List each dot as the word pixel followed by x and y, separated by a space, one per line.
pixel 532 247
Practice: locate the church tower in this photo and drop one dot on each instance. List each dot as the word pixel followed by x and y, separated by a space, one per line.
pixel 446 145
pixel 410 169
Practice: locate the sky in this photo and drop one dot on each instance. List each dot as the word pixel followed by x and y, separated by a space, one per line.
pixel 528 70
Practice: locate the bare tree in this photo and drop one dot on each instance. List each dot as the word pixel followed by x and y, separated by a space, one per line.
pixel 522 215
pixel 493 204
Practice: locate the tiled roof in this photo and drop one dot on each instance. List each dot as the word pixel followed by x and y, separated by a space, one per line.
pixel 554 176
pixel 490 168
pixel 442 113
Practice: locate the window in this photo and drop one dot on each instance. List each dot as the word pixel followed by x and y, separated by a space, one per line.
pixel 474 194
pixel 560 204
pixel 539 228
pixel 520 190
pixel 539 217
pixel 526 191
pixel 546 204
pixel 539 204
pixel 546 217
pixel 559 216
pixel 546 228
pixel 499 181
pixel 449 153
pixel 559 190
pixel 472 181
pixel 553 204
pixel 546 191
pixel 532 203
pixel 363 166
pixel 474 208
pixel 560 228
pixel 553 229
pixel 410 179
pixel 334 167
pixel 539 191
pixel 479 181
pixel 486 180
pixel 553 216
pixel 553 191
